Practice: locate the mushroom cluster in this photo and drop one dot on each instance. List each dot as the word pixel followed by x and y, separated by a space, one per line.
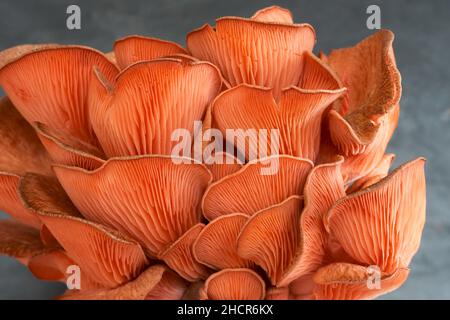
pixel 94 181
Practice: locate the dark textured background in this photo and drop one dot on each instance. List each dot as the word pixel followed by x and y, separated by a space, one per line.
pixel 422 45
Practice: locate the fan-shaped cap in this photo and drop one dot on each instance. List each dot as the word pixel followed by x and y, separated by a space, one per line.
pixel 382 225
pixel 236 192
pixel 105 255
pixel 49 84
pixel 216 245
pixel 297 117
pixel 153 199
pixel 141 112
pixel 270 237
pixel 260 51
pixel 135 48
pixel 234 284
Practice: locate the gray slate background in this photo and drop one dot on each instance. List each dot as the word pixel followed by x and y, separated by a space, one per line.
pixel 422 46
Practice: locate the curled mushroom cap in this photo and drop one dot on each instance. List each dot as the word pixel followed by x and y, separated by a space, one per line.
pixel 150 198
pixel 149 102
pixel 362 123
pixel 216 245
pixel 364 107
pixel 109 258
pixel 265 50
pixel 60 101
pixel 270 237
pixel 382 225
pixel 297 117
